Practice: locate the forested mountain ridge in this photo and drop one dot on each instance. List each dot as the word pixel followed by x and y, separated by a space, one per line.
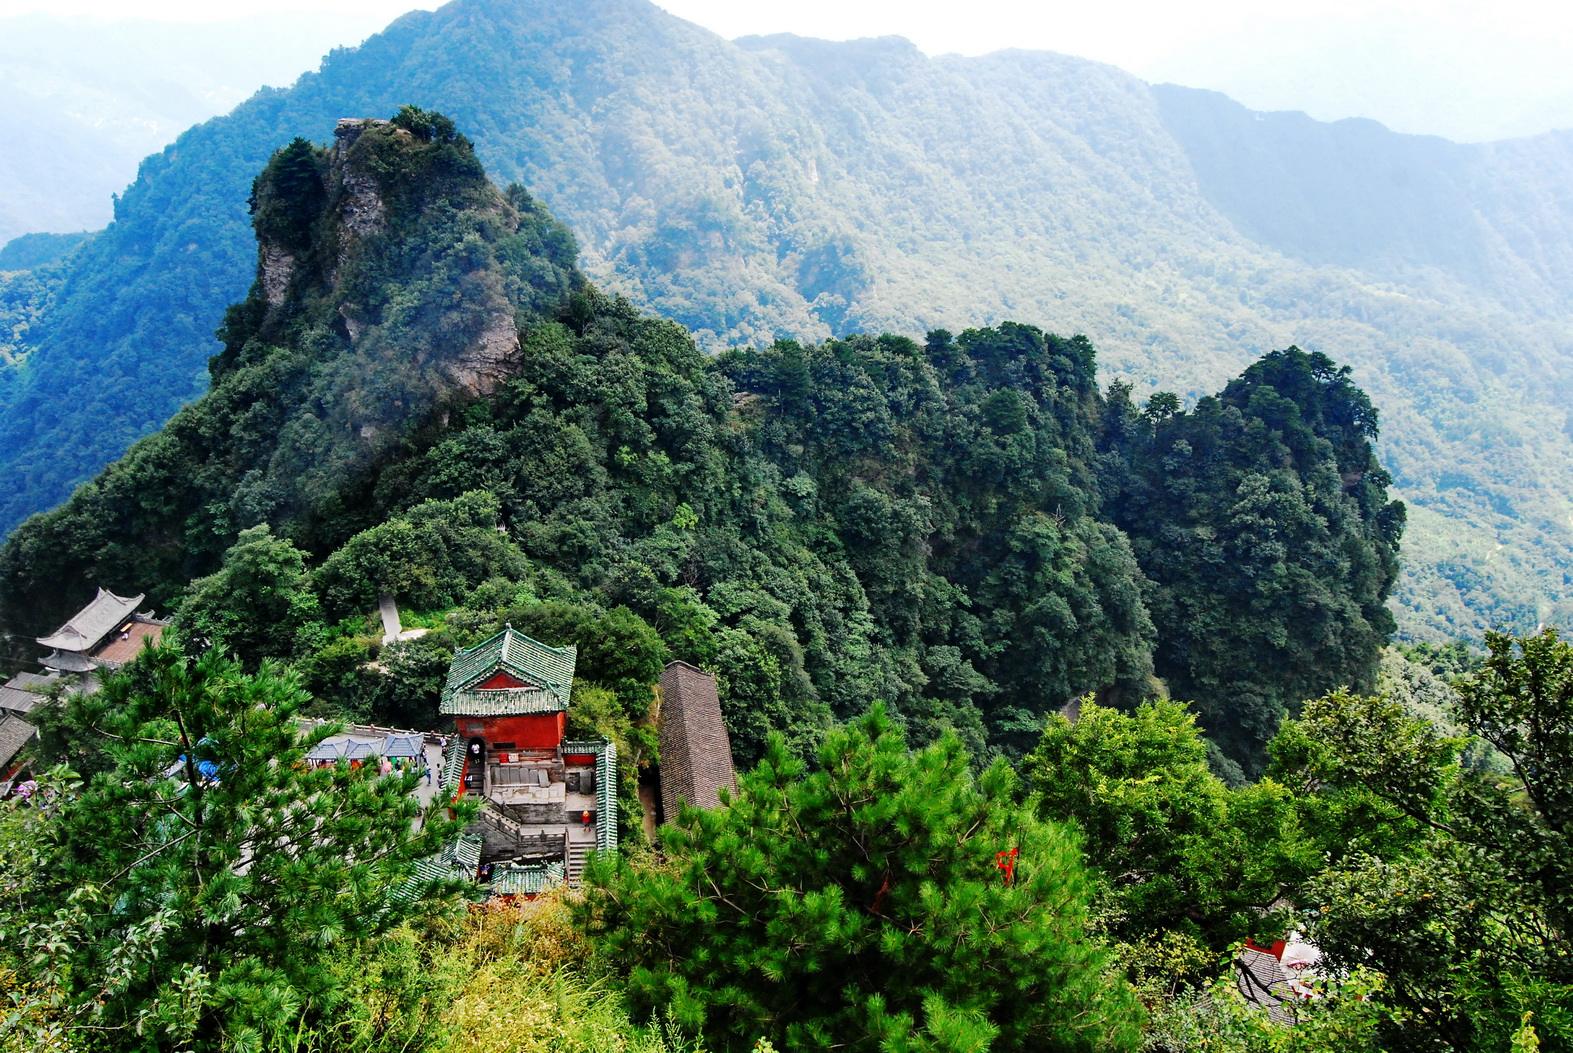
pixel 390 279
pixel 421 397
pixel 787 187
pixel 1404 207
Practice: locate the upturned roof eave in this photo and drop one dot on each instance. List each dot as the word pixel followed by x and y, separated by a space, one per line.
pixel 87 628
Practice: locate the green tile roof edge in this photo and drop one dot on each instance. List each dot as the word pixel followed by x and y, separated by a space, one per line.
pixel 458 860
pixel 605 788
pixel 452 764
pixel 606 799
pixel 551 668
pixel 507 702
pixel 525 880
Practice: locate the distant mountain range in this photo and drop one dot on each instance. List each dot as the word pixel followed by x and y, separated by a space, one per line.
pixel 777 186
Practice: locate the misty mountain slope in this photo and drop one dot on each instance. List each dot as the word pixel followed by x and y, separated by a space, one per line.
pixel 87 100
pixel 778 186
pixel 1498 217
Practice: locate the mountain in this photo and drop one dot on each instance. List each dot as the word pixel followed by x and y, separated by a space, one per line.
pixel 420 397
pixel 786 187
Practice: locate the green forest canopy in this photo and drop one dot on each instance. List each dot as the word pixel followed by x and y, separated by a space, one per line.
pixel 800 188
pixel 965 528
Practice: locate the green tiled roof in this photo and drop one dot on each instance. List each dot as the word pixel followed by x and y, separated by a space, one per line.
pixel 525 880
pixel 549 671
pixel 458 861
pixel 453 764
pixel 606 799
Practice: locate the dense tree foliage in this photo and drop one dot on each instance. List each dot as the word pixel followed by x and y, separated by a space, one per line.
pixel 258 605
pixel 429 557
pixel 868 188
pixel 1449 880
pixel 859 906
pixel 1175 851
pixel 189 894
pixel 31 276
pixel 1262 518
pixel 965 528
pixel 853 900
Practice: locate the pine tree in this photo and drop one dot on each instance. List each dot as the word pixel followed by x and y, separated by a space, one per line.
pixel 204 875
pixel 860 906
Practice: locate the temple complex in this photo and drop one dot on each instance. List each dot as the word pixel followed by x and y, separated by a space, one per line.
pixel 105 634
pixel 546 802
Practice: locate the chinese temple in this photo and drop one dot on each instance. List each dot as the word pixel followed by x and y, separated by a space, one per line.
pixel 105 634
pixel 546 802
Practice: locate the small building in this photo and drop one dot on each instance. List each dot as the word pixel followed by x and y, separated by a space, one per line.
pixel 328 752
pixel 1277 978
pixel 15 733
pixel 105 634
pixel 696 753
pixel 546 803
pixel 405 746
pixel 21 694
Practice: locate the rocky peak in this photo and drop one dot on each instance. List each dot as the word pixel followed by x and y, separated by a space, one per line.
pixel 361 211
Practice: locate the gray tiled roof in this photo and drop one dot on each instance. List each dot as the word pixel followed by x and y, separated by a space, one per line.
pixel 24 691
pixel 67 662
pixel 696 754
pixel 92 623
pixel 548 671
pixel 326 750
pixel 1262 981
pixel 14 734
pixel 404 746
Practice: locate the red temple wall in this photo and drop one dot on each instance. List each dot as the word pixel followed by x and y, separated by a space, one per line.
pixel 527 731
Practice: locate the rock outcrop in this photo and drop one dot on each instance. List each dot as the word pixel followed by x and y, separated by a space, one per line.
pixel 489 360
pixel 361 211
pixel 275 268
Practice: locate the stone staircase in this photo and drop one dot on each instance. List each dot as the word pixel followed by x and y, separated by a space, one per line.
pixel 578 852
pixel 505 836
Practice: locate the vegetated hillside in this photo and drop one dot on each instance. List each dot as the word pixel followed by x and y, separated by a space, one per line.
pixel 32 269
pixel 1493 217
pixel 934 525
pixel 790 187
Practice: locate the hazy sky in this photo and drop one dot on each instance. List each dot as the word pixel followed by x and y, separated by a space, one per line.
pixel 1464 68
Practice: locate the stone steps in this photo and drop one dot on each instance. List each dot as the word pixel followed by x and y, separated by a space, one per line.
pixel 578 852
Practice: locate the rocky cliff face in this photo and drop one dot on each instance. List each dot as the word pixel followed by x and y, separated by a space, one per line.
pixel 489 360
pixel 361 212
pixel 275 267
pixel 336 219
